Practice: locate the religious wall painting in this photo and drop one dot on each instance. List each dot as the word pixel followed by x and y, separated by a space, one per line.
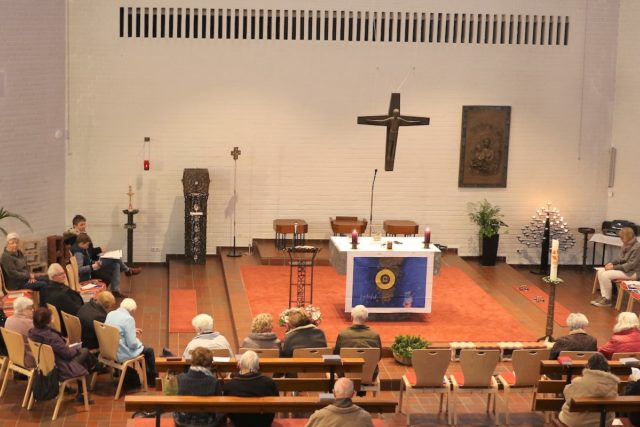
pixel 484 147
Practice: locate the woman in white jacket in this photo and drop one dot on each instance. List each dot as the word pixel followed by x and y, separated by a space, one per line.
pixel 596 381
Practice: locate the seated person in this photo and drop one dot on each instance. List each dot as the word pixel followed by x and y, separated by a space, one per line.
pixel 577 340
pixel 21 322
pixel 96 309
pixel 302 334
pixel 199 381
pixel 626 336
pixel 262 335
pixel 80 226
pixel 342 412
pixel 205 336
pixel 627 266
pixel 14 267
pixel 56 293
pixel 249 382
pixel 130 345
pixel 89 269
pixel 71 361
pixel 633 389
pixel 359 334
pixel 596 381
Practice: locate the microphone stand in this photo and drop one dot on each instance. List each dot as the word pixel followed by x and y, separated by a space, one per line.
pixel 371 209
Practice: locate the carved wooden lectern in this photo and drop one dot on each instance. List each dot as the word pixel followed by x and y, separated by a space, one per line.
pixel 195 183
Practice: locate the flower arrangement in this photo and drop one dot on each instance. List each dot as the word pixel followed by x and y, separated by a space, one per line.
pixel 312 312
pixel 404 345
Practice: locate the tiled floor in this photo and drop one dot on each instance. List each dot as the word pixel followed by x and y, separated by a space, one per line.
pixel 222 294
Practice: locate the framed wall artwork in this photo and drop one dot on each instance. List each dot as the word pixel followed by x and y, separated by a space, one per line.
pixel 484 147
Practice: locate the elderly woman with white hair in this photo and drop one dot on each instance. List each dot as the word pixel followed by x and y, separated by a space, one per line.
pixel 262 335
pixel 14 267
pixel 577 340
pixel 205 336
pixel 130 345
pixel 21 322
pixel 249 382
pixel 626 336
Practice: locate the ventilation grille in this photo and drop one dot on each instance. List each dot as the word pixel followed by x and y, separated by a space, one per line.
pixel 351 26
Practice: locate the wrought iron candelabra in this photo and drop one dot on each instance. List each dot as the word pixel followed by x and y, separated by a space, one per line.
pixel 547 224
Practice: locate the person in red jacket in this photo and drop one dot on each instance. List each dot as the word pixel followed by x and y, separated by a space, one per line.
pixel 626 336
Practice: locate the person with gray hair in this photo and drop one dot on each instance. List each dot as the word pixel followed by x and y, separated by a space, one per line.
pixel 342 412
pixel 21 321
pixel 359 334
pixel 206 337
pixel 249 382
pixel 130 345
pixel 577 340
pixel 626 336
pixel 596 381
pixel 14 267
pixel 56 293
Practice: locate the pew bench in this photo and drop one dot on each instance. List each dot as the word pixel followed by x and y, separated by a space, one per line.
pixel 555 399
pixel 296 384
pixel 604 405
pixel 233 404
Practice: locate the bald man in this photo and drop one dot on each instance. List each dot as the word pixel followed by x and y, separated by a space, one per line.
pixel 342 412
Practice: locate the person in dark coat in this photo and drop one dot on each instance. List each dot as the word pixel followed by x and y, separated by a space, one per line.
pixel 71 361
pixel 359 334
pixel 633 389
pixel 96 309
pixel 14 267
pixel 56 293
pixel 199 381
pixel 303 334
pixel 249 382
pixel 577 340
pixel 89 268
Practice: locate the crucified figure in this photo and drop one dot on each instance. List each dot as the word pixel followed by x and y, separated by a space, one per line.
pixel 392 121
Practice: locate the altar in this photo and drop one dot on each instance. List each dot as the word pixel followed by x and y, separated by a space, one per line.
pixel 396 280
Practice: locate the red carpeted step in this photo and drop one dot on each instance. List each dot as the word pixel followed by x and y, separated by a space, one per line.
pixel 182 308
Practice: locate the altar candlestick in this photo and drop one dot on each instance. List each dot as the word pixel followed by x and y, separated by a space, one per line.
pixel 354 237
pixel 555 243
pixel 427 237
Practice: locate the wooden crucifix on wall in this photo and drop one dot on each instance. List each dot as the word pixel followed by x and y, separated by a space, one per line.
pixel 392 121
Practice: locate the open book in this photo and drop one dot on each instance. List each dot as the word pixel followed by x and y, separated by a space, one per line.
pixel 117 254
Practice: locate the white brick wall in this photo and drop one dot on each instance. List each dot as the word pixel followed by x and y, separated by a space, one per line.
pixel 32 109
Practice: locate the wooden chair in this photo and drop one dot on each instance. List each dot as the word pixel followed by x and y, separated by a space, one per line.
pixel 368 378
pixel 13 294
pixel 46 363
pixel 72 277
pixel 109 340
pixel 525 375
pixel 476 377
pixel 55 318
pixel 577 355
pixel 263 352
pixel 428 376
pixel 74 328
pixel 17 350
pixel 312 352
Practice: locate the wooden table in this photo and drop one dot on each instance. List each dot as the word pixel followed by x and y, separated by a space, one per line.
pixel 394 227
pixel 553 367
pixel 346 224
pixel 297 227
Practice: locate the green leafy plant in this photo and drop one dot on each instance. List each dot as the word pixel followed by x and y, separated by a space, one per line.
pixel 487 217
pixel 6 214
pixel 404 345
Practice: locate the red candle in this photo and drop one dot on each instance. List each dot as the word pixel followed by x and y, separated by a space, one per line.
pixel 427 236
pixel 354 237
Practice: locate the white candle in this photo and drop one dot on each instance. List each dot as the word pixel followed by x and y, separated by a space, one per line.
pixel 554 259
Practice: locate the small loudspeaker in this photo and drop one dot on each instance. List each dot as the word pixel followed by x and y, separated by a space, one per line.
pixel 612 166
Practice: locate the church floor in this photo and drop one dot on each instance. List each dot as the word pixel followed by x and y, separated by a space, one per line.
pixel 219 289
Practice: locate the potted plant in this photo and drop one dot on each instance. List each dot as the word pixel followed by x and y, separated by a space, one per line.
pixel 489 219
pixel 6 214
pixel 404 345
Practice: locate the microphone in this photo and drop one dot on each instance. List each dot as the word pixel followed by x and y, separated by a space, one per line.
pixel 375 172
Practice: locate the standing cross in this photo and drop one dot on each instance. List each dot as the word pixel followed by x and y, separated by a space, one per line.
pixel 130 194
pixel 392 121
pixel 236 153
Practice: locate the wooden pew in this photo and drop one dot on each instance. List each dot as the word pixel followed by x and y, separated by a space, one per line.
pixel 555 368
pixel 604 405
pixel 280 365
pixel 555 400
pixel 296 384
pixel 233 404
